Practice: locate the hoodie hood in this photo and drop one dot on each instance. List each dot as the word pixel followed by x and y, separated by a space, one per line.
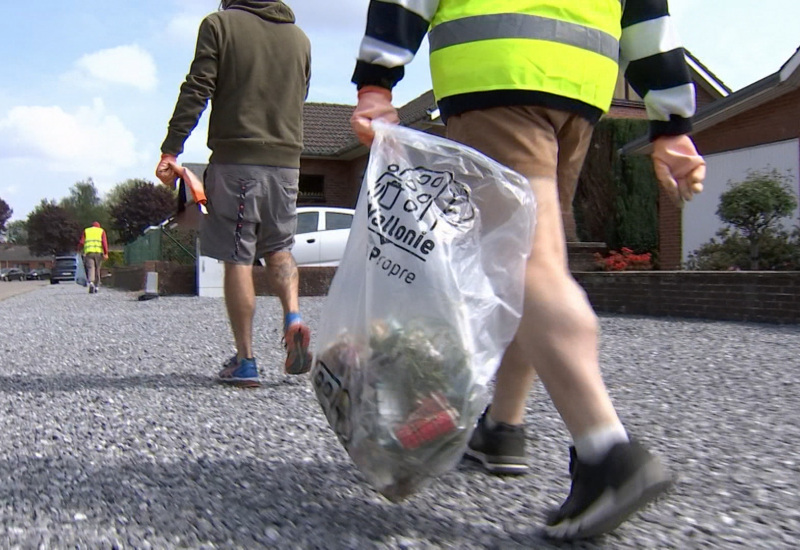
pixel 269 10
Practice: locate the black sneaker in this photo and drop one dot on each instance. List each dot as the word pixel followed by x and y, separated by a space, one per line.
pixel 501 450
pixel 604 495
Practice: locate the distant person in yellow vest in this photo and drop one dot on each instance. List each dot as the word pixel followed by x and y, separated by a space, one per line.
pixel 94 245
pixel 524 81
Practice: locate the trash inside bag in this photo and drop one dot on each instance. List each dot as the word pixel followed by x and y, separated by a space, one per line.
pixel 425 300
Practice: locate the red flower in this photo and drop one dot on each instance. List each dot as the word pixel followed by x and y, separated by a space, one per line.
pixel 625 261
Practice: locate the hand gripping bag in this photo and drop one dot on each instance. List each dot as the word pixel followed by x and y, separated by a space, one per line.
pixel 425 300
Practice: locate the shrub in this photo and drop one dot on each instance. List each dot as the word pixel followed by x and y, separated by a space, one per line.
pixel 754 208
pixel 730 250
pixel 116 258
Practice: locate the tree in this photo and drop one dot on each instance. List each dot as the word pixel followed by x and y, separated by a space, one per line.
pixel 85 204
pixel 756 205
pixel 138 205
pixel 52 230
pixel 115 195
pixel 17 232
pixel 5 214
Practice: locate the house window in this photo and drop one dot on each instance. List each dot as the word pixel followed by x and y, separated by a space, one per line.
pixel 312 189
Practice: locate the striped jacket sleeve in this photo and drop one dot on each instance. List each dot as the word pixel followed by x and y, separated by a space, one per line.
pixel 395 30
pixel 656 66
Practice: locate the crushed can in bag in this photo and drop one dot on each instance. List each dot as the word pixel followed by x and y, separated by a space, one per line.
pixel 425 300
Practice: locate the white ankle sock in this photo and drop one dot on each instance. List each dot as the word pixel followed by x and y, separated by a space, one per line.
pixel 593 446
pixel 489 422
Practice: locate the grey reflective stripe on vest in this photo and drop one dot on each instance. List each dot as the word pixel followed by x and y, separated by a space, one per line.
pixel 519 25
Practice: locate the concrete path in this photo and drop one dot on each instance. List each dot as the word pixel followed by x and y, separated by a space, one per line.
pixel 13 288
pixel 113 434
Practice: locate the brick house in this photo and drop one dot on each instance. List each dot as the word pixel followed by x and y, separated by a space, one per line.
pixel 21 257
pixel 755 128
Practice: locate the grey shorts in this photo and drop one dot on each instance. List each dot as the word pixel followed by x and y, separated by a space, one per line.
pixel 252 211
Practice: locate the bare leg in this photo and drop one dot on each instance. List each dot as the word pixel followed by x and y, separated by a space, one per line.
pixel 284 279
pixel 559 328
pixel 240 299
pixel 514 381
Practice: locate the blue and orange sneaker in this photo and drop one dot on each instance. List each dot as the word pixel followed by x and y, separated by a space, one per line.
pixel 297 337
pixel 243 374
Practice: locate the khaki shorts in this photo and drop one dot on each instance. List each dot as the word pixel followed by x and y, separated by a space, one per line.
pixel 535 141
pixel 252 211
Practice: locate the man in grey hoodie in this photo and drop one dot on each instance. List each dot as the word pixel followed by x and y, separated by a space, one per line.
pixel 254 64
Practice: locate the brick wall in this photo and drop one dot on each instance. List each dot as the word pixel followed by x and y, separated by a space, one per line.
pixel 341 186
pixel 757 296
pixel 670 233
pixel 176 279
pixel 314 281
pixel 627 111
pixel 769 297
pixel 357 168
pixel 173 279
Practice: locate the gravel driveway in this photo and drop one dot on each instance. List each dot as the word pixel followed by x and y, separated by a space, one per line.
pixel 114 434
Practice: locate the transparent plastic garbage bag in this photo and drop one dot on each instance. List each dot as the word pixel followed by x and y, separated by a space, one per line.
pixel 425 300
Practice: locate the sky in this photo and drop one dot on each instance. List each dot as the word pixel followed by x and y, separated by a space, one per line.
pixel 87 86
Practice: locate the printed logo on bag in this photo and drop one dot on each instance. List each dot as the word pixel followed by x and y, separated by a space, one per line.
pixel 335 401
pixel 405 206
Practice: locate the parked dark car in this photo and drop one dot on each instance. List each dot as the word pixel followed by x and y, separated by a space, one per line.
pixel 12 274
pixel 39 274
pixel 64 269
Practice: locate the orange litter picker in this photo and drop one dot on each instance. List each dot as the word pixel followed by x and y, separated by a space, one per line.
pixel 191 186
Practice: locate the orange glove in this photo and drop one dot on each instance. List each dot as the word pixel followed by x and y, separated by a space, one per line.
pixel 165 171
pixel 374 103
pixel 679 167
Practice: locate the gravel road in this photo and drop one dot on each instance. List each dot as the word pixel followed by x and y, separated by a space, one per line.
pixel 113 434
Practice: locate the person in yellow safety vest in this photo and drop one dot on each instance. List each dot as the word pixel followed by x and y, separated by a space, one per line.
pixel 524 81
pixel 94 246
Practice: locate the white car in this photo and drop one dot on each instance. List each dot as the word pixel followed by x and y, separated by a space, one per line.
pixel 322 233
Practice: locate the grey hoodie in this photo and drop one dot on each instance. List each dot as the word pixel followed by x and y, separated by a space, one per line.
pixel 254 64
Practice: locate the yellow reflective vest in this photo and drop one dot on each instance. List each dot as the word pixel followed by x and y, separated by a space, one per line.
pixel 93 240
pixel 569 48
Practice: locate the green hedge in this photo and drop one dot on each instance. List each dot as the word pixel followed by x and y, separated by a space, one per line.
pixel 617 198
